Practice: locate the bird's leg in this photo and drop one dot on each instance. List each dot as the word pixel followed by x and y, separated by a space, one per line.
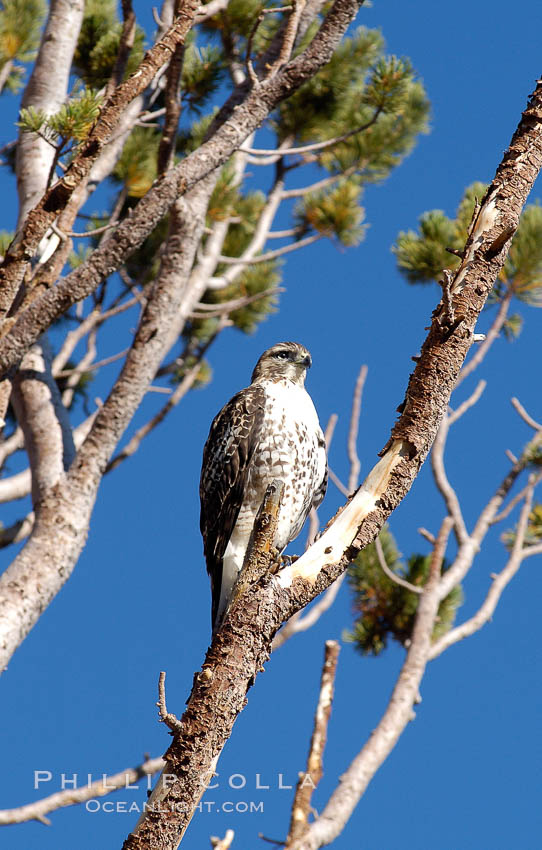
pixel 280 561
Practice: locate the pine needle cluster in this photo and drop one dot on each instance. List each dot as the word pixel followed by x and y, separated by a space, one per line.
pixel 20 26
pixel 98 44
pixel 370 106
pixel 422 255
pixel 385 609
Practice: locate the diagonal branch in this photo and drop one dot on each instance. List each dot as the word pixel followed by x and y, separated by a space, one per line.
pixel 389 572
pixel 272 255
pixel 244 112
pixel 398 713
pixel 74 796
pixel 315 146
pixel 180 391
pixel 441 480
pixel 491 336
pixel 518 407
pixel 242 644
pixel 488 517
pixel 500 581
pixel 353 457
pixel 40 218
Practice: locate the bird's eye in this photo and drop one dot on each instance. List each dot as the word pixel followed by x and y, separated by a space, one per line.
pixel 283 355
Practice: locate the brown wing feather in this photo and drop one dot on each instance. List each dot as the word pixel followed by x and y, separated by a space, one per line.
pixel 321 491
pixel 227 454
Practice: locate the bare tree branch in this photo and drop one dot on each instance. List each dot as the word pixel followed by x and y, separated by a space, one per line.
pixel 244 639
pixel 125 47
pixel 43 419
pixel 353 457
pixel 200 709
pixel 441 480
pixel 17 531
pixel 272 255
pixel 166 717
pixel 389 572
pixel 46 89
pixel 223 843
pixel 500 581
pixel 300 622
pixel 309 780
pixel 74 796
pixel 469 402
pixel 315 146
pixel 519 497
pixel 166 148
pixel 318 185
pixel 180 391
pixel 354 781
pixel 518 407
pixel 40 218
pixel 491 336
pixel 229 130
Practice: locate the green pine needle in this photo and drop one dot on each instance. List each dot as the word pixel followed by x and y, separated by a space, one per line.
pixel 383 608
pixel 20 28
pixel 334 212
pixel 422 255
pixel 137 164
pixel 98 44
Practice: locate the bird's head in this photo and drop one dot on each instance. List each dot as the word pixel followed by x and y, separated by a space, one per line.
pixel 284 360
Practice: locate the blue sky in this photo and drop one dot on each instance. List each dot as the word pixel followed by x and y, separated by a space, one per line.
pixel 79 695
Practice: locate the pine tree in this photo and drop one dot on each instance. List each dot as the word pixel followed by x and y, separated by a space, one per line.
pixel 423 255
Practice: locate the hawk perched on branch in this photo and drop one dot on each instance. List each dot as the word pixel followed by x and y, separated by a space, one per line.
pixel 268 430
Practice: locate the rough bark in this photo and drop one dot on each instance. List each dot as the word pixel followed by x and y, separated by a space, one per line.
pixel 245 111
pixel 223 677
pixel 47 89
pixel 36 575
pixel 40 218
pixel 243 643
pixel 24 589
pixel 47 433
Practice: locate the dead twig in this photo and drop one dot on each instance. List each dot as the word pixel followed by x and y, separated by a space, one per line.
pixel 389 572
pixel 353 457
pixel 171 720
pixel 222 843
pixel 518 407
pixel 73 796
pixel 500 581
pixel 309 780
pixel 469 402
pixel 249 66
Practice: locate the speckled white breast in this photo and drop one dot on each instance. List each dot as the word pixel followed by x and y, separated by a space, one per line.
pixel 290 449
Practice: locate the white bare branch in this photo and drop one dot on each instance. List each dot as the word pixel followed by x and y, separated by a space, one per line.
pixel 518 407
pixel 500 581
pixel 351 446
pixel 469 402
pixel 43 419
pixel 74 796
pixel 490 338
pixel 389 572
pixel 331 821
pixel 441 480
pixel 47 89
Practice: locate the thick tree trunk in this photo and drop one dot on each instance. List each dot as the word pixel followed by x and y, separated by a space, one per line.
pixel 243 643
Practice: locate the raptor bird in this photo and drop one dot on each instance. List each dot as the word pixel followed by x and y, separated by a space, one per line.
pixel 268 430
